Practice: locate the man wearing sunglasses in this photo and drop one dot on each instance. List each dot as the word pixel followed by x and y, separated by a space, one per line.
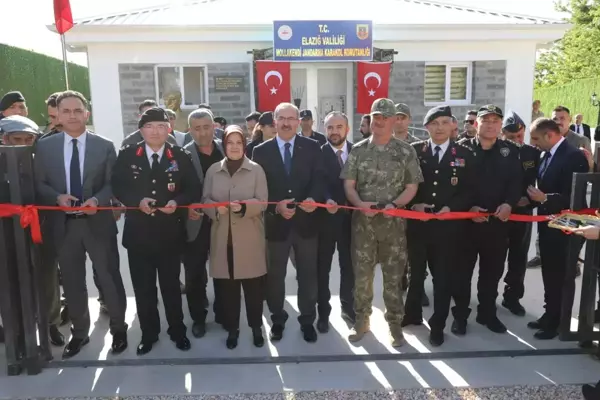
pixel 469 126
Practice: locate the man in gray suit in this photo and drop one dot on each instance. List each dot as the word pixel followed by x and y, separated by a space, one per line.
pixel 73 169
pixel 205 151
pixel 136 137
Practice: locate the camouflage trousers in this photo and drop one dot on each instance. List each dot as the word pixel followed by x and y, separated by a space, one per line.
pixel 378 240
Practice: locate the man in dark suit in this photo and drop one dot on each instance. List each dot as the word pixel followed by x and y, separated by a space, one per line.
pixel 205 150
pixel 306 127
pixel 73 168
pixel 335 223
pixel 292 164
pixel 156 178
pixel 580 128
pixel 447 187
pixel 559 162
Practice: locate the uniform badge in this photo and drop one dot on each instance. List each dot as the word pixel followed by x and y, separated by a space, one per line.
pixel 169 154
pixel 505 151
pixel 424 149
pixel 459 162
pixel 528 164
pixel 139 151
pixel 454 180
pixel 171 186
pixel 174 167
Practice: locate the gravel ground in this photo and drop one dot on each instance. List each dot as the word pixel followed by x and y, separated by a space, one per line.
pixel 549 392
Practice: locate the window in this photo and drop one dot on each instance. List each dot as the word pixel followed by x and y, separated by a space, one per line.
pixel 186 85
pixel 448 83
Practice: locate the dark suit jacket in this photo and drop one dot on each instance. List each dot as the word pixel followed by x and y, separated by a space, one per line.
pixel 305 180
pixel 558 178
pixel 586 130
pixel 333 184
pixel 319 137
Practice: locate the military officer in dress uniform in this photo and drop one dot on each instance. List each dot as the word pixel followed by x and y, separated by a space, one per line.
pixel 498 186
pixel 519 236
pixel 156 178
pixel 447 187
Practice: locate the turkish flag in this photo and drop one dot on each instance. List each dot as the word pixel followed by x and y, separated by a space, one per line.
pixel 373 80
pixel 274 85
pixel 63 18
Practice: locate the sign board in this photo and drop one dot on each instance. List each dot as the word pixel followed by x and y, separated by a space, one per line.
pixel 322 41
pixel 230 84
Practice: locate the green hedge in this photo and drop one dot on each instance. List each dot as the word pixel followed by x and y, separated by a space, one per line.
pixel 37 76
pixel 576 96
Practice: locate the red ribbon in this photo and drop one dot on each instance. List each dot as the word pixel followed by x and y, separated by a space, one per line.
pixel 29 215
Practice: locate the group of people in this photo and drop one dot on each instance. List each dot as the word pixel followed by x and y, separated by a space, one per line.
pixel 247 208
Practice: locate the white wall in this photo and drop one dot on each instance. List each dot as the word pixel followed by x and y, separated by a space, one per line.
pixel 105 58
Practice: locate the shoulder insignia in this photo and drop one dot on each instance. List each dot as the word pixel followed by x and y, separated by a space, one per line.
pixel 505 151
pixel 139 151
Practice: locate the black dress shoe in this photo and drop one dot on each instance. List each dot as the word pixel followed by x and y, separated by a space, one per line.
pixel 514 307
pixel 56 337
pixel 436 337
pixel 199 329
pixel 276 332
pixel 119 343
pixel 182 343
pixel 64 316
pixel 232 340
pixel 546 334
pixel 309 333
pixel 145 346
pixel 492 323
pixel 323 325
pixel 425 300
pixel 257 337
pixel 409 320
pixel 459 327
pixel 74 347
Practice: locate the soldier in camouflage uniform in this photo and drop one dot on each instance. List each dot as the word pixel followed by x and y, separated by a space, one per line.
pixel 403 120
pixel 381 172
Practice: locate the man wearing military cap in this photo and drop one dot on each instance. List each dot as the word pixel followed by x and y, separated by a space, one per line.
pixel 381 173
pixel 498 187
pixel 306 130
pixel 447 187
pixel 13 103
pixel 403 120
pixel 156 177
pixel 519 236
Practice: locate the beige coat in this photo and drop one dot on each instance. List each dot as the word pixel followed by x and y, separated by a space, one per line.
pixel 247 232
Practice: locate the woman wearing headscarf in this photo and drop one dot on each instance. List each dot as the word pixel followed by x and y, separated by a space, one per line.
pixel 237 246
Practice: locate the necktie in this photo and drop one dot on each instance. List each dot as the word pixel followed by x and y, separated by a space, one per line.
pixel 287 158
pixel 436 154
pixel 545 163
pixel 339 158
pixel 155 162
pixel 75 173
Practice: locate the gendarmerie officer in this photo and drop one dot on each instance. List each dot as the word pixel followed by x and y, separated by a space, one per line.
pixel 157 178
pixel 519 235
pixel 498 186
pixel 447 187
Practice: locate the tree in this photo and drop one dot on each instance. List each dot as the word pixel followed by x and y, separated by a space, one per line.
pixel 577 54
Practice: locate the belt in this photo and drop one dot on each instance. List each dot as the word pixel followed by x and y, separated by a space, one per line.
pixel 76 216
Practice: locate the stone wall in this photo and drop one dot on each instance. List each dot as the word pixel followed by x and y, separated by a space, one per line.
pixel 137 83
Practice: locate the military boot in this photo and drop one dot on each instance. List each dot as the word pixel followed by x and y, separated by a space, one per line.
pixel 361 327
pixel 396 336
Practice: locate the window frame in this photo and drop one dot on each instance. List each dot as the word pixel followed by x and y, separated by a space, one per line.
pixel 469 80
pixel 181 78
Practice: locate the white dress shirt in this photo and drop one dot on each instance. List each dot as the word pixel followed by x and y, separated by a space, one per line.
pixel 344 150
pixel 68 154
pixel 552 152
pixel 443 148
pixel 281 143
pixel 150 153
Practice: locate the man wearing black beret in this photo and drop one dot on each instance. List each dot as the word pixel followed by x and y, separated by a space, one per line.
pixel 13 103
pixel 498 189
pixel 156 177
pixel 519 236
pixel 447 187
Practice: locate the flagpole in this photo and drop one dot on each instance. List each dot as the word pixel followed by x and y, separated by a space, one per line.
pixel 64 53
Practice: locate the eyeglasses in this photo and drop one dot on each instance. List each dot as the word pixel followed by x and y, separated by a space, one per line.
pixel 469 121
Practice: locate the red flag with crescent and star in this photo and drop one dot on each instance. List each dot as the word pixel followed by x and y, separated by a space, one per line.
pixel 63 18
pixel 373 81
pixel 273 82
